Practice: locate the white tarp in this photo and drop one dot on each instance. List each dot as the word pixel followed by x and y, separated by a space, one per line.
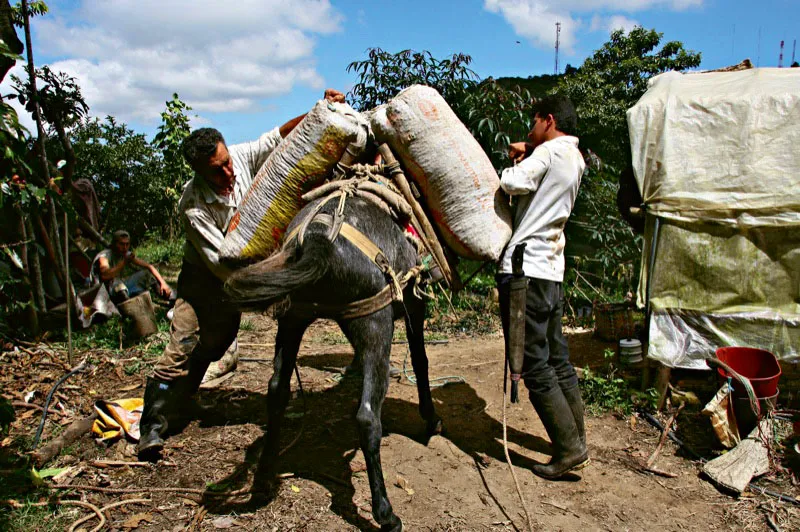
pixel 717 159
pixel 720 146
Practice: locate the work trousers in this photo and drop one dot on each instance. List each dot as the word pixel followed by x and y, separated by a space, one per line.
pixel 546 364
pixel 204 324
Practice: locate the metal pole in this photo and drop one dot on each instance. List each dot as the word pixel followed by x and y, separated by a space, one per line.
pixel 651 264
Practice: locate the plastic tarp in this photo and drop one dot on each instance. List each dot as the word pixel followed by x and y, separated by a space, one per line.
pixel 717 159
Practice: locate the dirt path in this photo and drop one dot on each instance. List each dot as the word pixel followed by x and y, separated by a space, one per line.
pixel 458 481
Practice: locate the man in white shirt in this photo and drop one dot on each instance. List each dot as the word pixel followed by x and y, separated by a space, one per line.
pixel 544 184
pixel 204 324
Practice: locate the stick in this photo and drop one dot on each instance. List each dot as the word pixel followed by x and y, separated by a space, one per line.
pixel 664 433
pixel 428 233
pixel 68 281
pixel 77 429
pixel 106 508
pixel 88 505
pixel 120 463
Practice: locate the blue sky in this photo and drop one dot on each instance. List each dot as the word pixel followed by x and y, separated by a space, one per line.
pixel 248 65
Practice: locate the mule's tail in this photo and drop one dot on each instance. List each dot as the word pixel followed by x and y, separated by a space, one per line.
pixel 266 282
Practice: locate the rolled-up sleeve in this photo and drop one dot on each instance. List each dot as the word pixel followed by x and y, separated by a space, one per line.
pixel 206 239
pixel 525 177
pixel 254 154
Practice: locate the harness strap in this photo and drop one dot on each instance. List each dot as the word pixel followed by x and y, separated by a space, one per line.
pixel 356 309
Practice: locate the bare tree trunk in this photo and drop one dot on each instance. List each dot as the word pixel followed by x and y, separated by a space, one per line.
pixel 34 270
pixel 37 110
pixel 51 253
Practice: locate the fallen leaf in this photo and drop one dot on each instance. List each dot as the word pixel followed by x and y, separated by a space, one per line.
pixel 136 519
pixel 29 396
pixel 224 522
pixel 131 387
pixel 401 482
pixel 295 489
pixel 410 491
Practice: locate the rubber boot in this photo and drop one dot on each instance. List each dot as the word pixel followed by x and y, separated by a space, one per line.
pixel 569 453
pixel 153 424
pixel 573 397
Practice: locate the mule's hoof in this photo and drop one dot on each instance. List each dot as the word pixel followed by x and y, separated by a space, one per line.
pixel 394 525
pixel 434 427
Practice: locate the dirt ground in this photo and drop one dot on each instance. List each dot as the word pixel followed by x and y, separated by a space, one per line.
pixel 456 481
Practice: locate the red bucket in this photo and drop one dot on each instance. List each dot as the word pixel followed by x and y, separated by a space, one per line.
pixel 758 365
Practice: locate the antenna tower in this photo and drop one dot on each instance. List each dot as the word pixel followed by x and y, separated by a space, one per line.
pixel 558 39
pixel 780 57
pixel 794 49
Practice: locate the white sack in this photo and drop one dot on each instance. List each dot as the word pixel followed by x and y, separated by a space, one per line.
pixel 298 164
pixel 456 179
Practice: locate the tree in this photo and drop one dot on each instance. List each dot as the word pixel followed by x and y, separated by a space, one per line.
pixel 382 75
pixel 609 82
pixel 127 173
pixel 604 250
pixel 173 130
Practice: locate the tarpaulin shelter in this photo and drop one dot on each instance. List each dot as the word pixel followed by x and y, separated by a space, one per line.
pixel 717 159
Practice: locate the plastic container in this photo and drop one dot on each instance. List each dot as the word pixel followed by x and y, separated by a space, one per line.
pixel 745 417
pixel 758 365
pixel 630 351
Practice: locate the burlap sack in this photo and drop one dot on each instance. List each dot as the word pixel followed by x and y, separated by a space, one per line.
pixel 300 162
pixel 459 185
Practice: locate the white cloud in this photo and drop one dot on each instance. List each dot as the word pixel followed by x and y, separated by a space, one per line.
pixel 535 19
pixel 612 23
pixel 129 56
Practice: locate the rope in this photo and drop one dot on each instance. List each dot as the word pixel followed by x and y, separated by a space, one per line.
pixel 508 456
pixel 412 378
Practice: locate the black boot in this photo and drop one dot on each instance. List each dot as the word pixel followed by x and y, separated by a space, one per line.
pixel 573 397
pixel 165 403
pixel 157 398
pixel 569 453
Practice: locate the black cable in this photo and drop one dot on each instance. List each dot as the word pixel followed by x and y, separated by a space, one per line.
pixel 76 369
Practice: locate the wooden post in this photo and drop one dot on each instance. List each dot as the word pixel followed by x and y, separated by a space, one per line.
pixel 429 234
pixel 662 384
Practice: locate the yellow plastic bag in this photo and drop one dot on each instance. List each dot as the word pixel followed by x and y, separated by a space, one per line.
pixel 118 418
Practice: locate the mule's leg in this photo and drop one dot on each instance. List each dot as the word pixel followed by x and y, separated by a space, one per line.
pixel 415 321
pixel 287 344
pixel 371 337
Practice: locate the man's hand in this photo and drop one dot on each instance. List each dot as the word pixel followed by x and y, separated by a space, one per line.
pixel 517 151
pixel 129 257
pixel 164 290
pixel 334 96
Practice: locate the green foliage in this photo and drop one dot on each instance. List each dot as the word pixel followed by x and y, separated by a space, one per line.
pixel 60 97
pixel 496 115
pixel 127 174
pixel 36 8
pixel 173 130
pixel 608 392
pixel 382 75
pixel 159 249
pixel 609 82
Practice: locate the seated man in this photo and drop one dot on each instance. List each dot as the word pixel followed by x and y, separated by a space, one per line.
pixel 124 274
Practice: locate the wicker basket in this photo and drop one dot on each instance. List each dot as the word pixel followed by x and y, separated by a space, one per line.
pixel 613 321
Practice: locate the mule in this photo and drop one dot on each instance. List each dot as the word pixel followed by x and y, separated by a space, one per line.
pixel 314 270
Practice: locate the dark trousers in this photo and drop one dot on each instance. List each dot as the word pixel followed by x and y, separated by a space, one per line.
pixel 546 364
pixel 203 325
